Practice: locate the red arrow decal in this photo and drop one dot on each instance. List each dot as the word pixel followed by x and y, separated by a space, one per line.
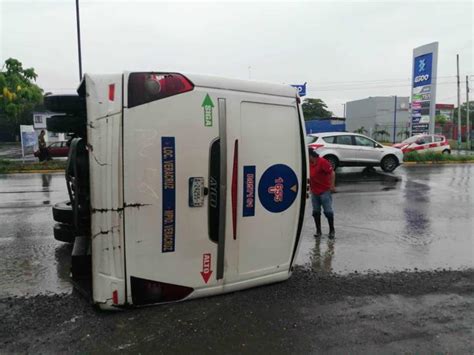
pixel 206 267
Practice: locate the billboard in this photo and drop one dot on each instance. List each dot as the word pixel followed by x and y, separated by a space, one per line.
pixel 423 93
pixel 28 139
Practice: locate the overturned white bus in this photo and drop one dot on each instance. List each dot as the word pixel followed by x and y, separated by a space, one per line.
pixel 181 186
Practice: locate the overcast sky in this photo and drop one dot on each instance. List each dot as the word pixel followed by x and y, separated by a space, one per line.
pixel 344 50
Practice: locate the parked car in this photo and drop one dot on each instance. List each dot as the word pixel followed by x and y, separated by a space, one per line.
pixel 352 149
pixel 425 143
pixel 55 150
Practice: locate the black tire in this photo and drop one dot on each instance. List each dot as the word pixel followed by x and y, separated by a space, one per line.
pixel 446 151
pixel 389 163
pixel 64 233
pixel 62 212
pixel 332 160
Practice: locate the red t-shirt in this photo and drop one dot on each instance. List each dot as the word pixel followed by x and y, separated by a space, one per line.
pixel 320 176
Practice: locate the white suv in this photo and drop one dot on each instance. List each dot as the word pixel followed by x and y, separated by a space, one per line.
pixel 352 149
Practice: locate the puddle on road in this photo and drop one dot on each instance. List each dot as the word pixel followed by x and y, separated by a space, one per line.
pixel 35 266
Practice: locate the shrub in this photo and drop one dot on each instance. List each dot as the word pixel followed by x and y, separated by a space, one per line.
pixel 435 157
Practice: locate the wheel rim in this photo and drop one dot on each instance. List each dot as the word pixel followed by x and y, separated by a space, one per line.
pixel 390 163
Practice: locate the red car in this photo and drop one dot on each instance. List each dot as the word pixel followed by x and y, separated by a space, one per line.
pixel 55 150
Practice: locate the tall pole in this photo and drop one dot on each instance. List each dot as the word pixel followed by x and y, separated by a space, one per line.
pixel 395 119
pixel 468 123
pixel 79 39
pixel 459 104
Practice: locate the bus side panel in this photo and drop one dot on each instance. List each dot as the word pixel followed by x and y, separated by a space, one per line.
pixel 267 235
pixel 105 162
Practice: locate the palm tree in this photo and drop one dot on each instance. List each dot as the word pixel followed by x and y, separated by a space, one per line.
pixel 361 130
pixel 381 132
pixel 403 134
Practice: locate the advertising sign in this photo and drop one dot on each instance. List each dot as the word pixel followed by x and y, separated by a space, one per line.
pixel 423 95
pixel 422 70
pixel 28 139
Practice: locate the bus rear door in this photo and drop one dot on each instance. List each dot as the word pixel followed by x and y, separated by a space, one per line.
pixel 170 138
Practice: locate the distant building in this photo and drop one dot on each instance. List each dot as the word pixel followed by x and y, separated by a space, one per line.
pixel 445 110
pixel 333 124
pixel 39 123
pixel 449 129
pixel 376 115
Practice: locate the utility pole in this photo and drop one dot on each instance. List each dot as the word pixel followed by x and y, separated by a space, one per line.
pixel 79 39
pixel 395 119
pixel 459 103
pixel 468 122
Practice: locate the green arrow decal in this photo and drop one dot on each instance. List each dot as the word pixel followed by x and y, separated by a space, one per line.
pixel 207 104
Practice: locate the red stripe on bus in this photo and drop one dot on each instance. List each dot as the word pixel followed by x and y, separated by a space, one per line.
pixel 419 148
pixel 433 145
pixel 234 188
pixel 115 297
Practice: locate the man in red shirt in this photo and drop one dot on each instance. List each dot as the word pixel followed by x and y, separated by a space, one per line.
pixel 322 182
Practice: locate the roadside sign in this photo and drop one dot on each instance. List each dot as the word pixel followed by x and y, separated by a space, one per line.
pixel 423 89
pixel 301 89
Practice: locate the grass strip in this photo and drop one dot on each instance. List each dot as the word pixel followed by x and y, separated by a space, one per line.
pixel 8 166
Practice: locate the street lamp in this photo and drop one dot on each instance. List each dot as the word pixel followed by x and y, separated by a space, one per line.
pixel 395 119
pixel 79 39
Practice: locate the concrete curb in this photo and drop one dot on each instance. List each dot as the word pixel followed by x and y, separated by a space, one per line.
pixel 411 163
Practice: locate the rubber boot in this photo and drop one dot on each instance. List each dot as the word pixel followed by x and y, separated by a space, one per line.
pixel 317 222
pixel 332 231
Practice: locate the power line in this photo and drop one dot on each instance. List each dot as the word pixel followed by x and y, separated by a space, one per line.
pixel 341 88
pixel 329 83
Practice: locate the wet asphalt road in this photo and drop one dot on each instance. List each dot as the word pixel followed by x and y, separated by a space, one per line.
pixel 418 218
pixel 31 261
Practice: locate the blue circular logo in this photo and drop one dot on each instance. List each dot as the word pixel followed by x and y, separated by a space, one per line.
pixel 278 188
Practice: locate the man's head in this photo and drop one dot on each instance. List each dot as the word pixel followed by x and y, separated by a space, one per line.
pixel 313 155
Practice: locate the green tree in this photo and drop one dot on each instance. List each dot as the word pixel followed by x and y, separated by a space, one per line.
pixel 440 119
pixel 18 96
pixel 315 108
pixel 464 113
